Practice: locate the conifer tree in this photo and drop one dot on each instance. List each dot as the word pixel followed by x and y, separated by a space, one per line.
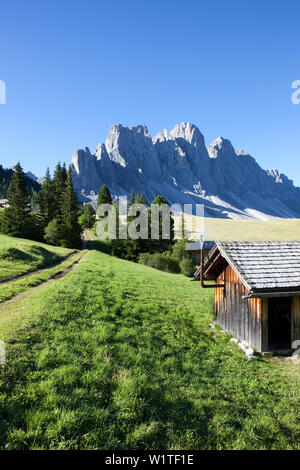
pixel 64 173
pixel 46 201
pixel 140 199
pixel 104 196
pixel 58 183
pixel 88 218
pixel 70 227
pixel 16 220
pixel 132 198
pixel 161 244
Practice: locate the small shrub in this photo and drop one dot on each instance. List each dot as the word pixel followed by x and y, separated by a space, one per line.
pixel 179 250
pixel 161 261
pixel 52 232
pixel 187 267
pixel 172 264
pixel 2 222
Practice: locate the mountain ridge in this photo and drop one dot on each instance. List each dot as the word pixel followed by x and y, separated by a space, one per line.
pixel 179 165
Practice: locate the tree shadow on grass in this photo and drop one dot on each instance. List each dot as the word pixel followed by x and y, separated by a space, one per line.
pixel 14 254
pixel 99 245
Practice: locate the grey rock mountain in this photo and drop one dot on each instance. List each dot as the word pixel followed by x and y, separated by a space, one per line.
pixel 178 165
pixel 31 176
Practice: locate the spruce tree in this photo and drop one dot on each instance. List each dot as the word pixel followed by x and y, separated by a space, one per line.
pixel 140 199
pixel 160 200
pixel 64 173
pixel 132 198
pixel 104 196
pixel 88 218
pixel 58 182
pixel 17 216
pixel 161 244
pixel 70 227
pixel 46 201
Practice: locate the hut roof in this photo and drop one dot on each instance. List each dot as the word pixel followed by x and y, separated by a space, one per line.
pixel 261 266
pixel 196 246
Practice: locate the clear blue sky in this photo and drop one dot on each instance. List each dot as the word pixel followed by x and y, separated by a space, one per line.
pixel 72 68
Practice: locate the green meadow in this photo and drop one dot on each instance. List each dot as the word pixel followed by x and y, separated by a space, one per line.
pixel 247 230
pixel 11 289
pixel 19 256
pixel 116 355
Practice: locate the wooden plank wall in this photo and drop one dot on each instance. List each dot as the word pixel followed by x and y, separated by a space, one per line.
pixel 296 319
pixel 239 317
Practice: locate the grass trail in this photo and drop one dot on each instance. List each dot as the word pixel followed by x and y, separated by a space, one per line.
pixel 19 256
pixel 38 271
pixel 88 240
pixel 116 355
pixel 15 287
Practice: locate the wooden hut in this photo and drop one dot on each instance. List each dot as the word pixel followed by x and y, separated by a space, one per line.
pixel 257 291
pixel 195 249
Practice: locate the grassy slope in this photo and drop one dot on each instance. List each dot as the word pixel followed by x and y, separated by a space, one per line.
pixel 13 288
pixel 19 256
pixel 120 356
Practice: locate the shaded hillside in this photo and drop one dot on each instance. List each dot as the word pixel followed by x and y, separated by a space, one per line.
pixel 20 256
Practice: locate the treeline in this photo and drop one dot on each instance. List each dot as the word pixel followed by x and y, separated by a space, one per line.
pixel 56 219
pixel 33 187
pixel 165 254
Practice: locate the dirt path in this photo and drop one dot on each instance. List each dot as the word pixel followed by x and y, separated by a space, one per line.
pixel 65 271
pixel 38 271
pixel 87 237
pixel 53 278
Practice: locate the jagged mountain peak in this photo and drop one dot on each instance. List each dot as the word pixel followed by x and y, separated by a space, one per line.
pixel 242 153
pixel 31 176
pixel 79 157
pixel 120 136
pixel 138 129
pixel 100 151
pixel 177 165
pixel 141 129
pixel 220 147
pixel 189 132
pixel 274 173
pixel 162 136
